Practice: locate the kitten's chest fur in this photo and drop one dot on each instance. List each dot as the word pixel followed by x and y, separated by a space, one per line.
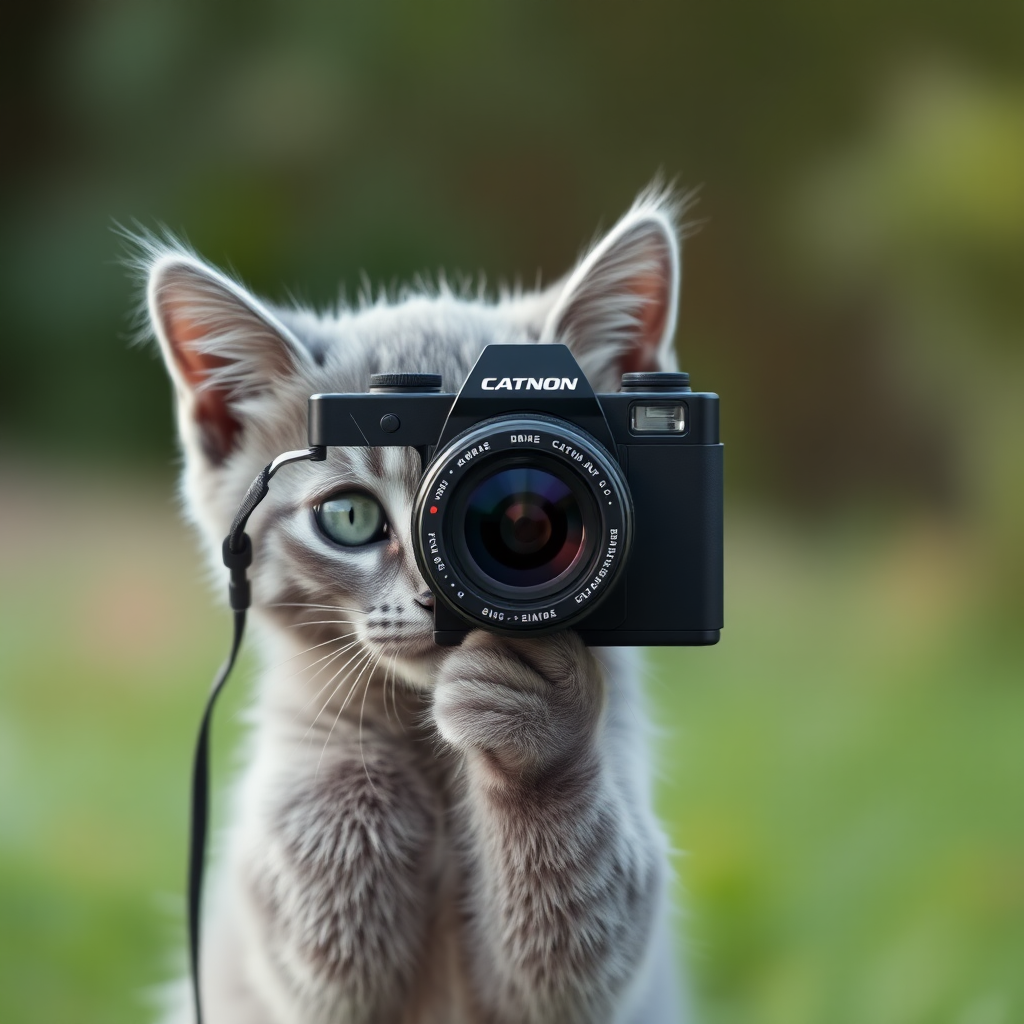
pixel 379 742
pixel 440 992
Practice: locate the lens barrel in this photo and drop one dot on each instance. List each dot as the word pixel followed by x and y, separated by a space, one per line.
pixel 522 524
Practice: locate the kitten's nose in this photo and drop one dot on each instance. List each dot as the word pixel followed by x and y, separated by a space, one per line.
pixel 425 600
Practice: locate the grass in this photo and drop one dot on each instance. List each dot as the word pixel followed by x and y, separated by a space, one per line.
pixel 844 771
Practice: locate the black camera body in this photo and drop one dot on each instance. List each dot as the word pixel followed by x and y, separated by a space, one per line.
pixel 544 506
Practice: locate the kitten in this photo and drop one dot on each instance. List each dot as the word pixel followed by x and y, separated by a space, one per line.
pixel 422 834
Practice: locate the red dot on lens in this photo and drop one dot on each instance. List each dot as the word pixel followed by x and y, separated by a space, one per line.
pixel 433 509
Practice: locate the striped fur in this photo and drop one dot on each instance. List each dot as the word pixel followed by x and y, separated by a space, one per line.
pixel 420 834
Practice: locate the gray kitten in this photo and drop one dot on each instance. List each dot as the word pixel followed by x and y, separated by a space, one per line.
pixel 421 834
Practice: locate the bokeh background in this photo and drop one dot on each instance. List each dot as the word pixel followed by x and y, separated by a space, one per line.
pixel 844 773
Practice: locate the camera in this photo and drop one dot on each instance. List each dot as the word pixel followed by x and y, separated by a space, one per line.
pixel 544 506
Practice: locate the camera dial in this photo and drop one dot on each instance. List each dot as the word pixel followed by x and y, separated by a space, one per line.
pixel 522 523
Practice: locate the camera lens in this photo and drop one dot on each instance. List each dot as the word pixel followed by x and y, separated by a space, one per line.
pixel 523 526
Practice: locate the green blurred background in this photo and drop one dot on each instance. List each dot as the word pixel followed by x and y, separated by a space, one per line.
pixel 845 771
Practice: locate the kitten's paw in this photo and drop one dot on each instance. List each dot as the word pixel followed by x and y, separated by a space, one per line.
pixel 523 703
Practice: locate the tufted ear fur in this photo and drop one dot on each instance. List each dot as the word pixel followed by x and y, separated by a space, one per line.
pixel 221 347
pixel 617 310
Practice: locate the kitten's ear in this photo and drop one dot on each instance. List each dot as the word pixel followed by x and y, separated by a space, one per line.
pixel 221 347
pixel 617 310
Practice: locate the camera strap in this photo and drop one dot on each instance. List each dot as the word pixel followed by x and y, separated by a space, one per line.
pixel 237 555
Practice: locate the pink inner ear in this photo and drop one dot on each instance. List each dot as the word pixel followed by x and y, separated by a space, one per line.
pixel 218 427
pixel 653 289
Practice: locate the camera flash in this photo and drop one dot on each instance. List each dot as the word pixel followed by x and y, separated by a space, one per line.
pixel 658 418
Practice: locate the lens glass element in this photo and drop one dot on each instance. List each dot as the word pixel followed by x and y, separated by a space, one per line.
pixel 523 526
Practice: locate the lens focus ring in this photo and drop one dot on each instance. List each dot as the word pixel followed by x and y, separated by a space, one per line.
pixel 522 524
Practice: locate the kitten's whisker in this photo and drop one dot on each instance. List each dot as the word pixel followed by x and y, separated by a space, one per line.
pixel 324 622
pixel 352 688
pixel 315 607
pixel 393 673
pixel 343 679
pixel 334 675
pixel 394 689
pixel 327 656
pixel 362 708
pixel 341 682
pixel 385 690
pixel 326 659
pixel 636 717
pixel 344 704
pixel 344 636
pixel 333 640
pixel 335 690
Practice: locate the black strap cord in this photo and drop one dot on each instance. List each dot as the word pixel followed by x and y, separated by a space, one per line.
pixel 237 554
pixel 200 809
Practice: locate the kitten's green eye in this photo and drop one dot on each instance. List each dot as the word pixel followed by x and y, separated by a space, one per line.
pixel 351 518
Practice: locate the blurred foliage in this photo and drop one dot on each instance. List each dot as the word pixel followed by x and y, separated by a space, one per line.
pixel 303 144
pixel 845 769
